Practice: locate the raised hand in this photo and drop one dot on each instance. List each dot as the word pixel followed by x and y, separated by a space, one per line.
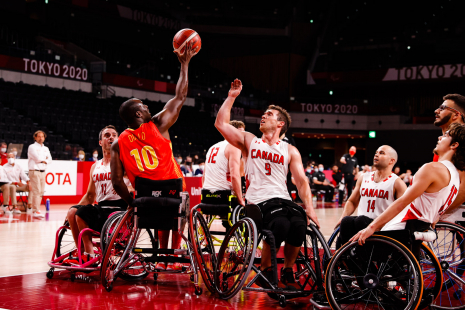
pixel 236 88
pixel 188 53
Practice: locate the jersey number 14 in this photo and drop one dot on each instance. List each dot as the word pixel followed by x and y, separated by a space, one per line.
pixel 371 205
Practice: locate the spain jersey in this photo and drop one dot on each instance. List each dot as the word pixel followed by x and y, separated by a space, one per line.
pixel 145 153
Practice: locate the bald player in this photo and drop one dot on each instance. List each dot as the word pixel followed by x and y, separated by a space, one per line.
pixel 373 194
pixel 452 110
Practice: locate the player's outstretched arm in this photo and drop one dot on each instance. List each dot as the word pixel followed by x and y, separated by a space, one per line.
pixel 89 197
pixel 424 178
pixel 301 182
pixel 117 175
pixel 168 116
pixel 352 202
pixel 233 135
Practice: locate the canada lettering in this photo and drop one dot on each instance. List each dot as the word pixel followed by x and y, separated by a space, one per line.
pixel 274 158
pixel 101 177
pixel 370 192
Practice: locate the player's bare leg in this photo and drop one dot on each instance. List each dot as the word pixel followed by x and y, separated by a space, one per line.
pixel 73 225
pixel 86 236
pixel 290 255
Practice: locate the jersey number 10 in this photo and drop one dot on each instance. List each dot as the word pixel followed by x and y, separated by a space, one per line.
pixel 150 161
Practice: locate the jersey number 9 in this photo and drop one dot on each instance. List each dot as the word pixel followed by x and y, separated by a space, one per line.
pixel 149 156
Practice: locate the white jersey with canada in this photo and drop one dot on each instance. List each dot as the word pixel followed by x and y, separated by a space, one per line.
pixel 375 197
pixel 102 179
pixel 266 171
pixel 217 177
pixel 428 207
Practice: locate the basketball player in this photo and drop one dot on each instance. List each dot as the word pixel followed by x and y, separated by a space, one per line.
pixel 373 193
pixel 223 167
pixel 452 110
pixel 433 190
pixel 267 162
pixel 144 149
pixel 100 189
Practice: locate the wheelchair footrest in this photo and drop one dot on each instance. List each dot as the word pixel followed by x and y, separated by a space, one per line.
pixel 161 251
pixel 167 259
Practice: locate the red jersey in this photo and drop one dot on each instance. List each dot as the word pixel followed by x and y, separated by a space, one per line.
pixel 4 159
pixel 435 158
pixel 145 153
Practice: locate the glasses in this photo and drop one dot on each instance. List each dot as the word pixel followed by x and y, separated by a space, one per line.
pixel 442 107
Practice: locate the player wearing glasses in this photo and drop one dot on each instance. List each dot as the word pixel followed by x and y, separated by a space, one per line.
pixel 452 110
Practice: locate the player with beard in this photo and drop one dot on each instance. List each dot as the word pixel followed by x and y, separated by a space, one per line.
pixel 373 194
pixel 434 188
pixel 268 160
pixel 452 110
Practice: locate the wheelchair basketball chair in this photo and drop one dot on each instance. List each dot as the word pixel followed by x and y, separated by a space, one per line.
pixel 167 211
pixel 383 273
pixel 238 256
pixel 65 247
pixel 214 206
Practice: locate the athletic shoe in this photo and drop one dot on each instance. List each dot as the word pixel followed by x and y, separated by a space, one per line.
pixel 160 266
pixel 6 211
pixel 287 279
pixel 268 274
pixel 37 214
pixel 16 211
pixel 75 261
pixel 29 211
pixel 174 266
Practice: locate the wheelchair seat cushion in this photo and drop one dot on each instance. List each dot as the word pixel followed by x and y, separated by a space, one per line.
pixel 214 209
pixel 158 188
pixel 158 212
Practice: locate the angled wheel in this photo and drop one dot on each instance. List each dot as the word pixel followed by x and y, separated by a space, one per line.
pixel 381 274
pixel 204 248
pixel 65 242
pixel 115 251
pixel 235 258
pixel 432 276
pixel 108 228
pixel 449 248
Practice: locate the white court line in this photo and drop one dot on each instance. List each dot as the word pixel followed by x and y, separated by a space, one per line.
pixel 22 274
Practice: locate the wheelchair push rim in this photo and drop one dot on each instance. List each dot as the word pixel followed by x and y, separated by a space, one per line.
pixel 382 274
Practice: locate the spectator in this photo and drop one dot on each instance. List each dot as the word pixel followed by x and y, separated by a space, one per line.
pixel 3 147
pixel 16 175
pixel 196 159
pixel 322 184
pixel 397 171
pixel 309 169
pixel 94 156
pixel 201 169
pixel 349 164
pixel 39 158
pixel 338 184
pixel 5 188
pixel 81 156
pixel 187 168
pixel 15 152
pixel 179 159
pixel 407 177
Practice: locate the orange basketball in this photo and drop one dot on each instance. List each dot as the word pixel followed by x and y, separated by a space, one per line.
pixel 184 36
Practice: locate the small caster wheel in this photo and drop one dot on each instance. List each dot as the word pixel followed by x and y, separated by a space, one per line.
pixel 282 301
pixel 109 287
pixel 73 277
pixel 155 276
pixel 198 291
pixel 50 273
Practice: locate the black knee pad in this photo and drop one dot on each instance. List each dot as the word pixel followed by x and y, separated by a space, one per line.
pixel 297 233
pixel 279 226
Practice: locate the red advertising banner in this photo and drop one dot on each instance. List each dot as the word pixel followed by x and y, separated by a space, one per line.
pixel 43 68
pixel 194 188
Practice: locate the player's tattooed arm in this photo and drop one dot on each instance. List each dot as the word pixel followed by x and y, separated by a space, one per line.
pixel 117 175
pixel 234 136
pixel 168 116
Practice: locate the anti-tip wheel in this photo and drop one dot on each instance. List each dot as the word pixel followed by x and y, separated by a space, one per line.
pixel 198 291
pixel 282 301
pixel 109 287
pixel 50 273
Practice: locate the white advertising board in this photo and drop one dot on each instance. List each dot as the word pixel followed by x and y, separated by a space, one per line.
pixel 60 179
